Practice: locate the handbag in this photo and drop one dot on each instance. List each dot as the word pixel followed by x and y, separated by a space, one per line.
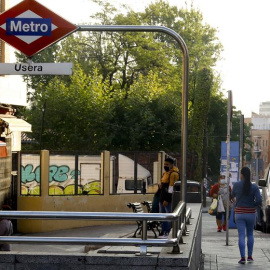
pixel 220 207
pixel 213 208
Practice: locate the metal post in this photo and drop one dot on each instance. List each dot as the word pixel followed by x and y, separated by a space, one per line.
pixel 229 120
pixel 77 174
pixel 257 152
pixel 175 228
pixel 257 169
pixel 241 142
pixel 185 64
pixel 143 249
pixel 135 174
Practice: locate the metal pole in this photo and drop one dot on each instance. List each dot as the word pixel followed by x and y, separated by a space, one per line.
pixel 241 143
pixel 143 248
pixel 229 120
pixel 135 173
pixel 77 174
pixel 257 169
pixel 183 47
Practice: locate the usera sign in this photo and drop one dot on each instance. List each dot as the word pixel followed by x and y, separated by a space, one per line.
pixel 30 27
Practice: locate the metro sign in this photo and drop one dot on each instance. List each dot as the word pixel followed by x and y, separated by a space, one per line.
pixel 30 27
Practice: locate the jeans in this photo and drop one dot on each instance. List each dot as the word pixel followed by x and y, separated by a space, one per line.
pixel 245 224
pixel 166 225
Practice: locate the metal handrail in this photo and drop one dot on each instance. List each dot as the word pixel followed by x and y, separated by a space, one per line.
pixel 87 215
pixel 178 229
pixel 88 240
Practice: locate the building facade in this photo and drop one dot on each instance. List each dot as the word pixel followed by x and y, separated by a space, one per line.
pixel 260 136
pixel 264 108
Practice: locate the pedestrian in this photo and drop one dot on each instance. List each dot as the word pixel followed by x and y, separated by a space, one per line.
pixel 248 197
pixel 169 177
pixel 220 191
pixel 6 228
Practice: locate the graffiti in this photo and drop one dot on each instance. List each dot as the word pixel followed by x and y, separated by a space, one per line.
pixel 58 173
pixel 28 175
pixel 61 181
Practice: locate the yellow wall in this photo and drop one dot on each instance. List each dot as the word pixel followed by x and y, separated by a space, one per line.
pixel 92 203
pixel 82 203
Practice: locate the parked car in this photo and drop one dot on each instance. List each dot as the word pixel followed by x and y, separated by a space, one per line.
pixel 259 214
pixel 193 191
pixel 265 187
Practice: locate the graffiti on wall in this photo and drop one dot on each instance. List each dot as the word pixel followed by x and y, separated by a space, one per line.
pixel 61 177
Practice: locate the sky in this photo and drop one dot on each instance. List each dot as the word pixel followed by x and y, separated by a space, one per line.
pixel 243 29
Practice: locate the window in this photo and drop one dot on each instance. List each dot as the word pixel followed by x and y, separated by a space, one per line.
pixel 129 184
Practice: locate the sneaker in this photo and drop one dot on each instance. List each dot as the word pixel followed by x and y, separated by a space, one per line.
pixel 219 229
pixel 224 227
pixel 164 236
pixel 243 260
pixel 250 259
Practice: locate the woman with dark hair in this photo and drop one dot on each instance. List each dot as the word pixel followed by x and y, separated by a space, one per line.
pixel 247 198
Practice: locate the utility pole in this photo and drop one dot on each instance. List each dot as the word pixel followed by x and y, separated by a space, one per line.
pixel 241 143
pixel 229 124
pixel 257 152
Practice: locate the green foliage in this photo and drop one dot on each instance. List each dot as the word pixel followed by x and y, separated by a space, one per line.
pixel 125 93
pixel 216 131
pixel 198 118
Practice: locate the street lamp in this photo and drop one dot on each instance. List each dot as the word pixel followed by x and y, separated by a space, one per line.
pixel 257 151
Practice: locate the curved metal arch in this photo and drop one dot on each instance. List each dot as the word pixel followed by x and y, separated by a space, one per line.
pixel 185 65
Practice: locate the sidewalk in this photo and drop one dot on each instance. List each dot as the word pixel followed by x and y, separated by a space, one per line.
pixel 218 256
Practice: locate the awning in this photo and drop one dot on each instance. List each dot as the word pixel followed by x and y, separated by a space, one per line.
pixel 16 124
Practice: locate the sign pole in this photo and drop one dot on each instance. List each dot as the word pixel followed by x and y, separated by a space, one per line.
pixel 229 123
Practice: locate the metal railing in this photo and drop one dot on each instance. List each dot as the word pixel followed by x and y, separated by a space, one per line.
pixel 178 217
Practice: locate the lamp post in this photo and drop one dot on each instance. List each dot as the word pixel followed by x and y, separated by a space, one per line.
pixel 257 152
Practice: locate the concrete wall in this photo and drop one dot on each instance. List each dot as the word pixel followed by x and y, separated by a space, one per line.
pixel 105 202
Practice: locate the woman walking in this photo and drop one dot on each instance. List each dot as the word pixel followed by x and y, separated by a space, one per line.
pixel 247 198
pixel 221 190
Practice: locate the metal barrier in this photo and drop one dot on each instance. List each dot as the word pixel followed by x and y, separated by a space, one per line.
pixel 178 217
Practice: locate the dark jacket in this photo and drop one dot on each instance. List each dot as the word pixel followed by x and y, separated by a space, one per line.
pixel 6 229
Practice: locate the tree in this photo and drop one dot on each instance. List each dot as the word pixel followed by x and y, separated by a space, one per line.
pixel 216 131
pixel 125 93
pixel 198 118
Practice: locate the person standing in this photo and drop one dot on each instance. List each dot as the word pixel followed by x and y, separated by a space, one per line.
pixel 169 177
pixel 6 228
pixel 248 197
pixel 221 190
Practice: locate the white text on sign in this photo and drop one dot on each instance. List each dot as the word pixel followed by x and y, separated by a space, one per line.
pixel 29 27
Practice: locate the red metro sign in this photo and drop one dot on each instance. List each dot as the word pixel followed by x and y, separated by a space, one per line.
pixel 30 27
